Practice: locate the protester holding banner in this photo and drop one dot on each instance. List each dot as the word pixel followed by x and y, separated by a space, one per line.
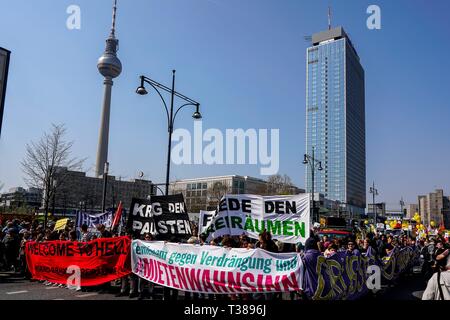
pixel 252 247
pixel 145 287
pixel 100 261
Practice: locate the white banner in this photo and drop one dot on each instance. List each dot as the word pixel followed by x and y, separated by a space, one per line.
pixel 204 220
pixel 218 270
pixel 287 218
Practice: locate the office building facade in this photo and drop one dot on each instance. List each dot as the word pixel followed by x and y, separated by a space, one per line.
pixel 4 69
pixel 19 197
pixel 335 119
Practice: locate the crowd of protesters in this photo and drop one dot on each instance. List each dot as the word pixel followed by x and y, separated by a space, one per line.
pixel 14 234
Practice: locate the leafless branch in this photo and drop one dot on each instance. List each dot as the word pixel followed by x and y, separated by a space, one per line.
pixel 44 157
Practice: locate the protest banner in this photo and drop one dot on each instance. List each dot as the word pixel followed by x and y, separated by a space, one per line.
pixel 217 270
pixel 163 216
pixel 99 261
pixel 61 224
pixel 92 220
pixel 204 220
pixel 343 276
pixel 287 218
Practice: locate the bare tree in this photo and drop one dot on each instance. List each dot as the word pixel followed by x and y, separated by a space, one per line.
pixel 280 185
pixel 216 192
pixel 43 159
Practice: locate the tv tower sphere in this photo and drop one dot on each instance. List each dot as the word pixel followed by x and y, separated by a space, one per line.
pixel 109 65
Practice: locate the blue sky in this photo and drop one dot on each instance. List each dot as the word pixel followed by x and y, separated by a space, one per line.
pixel 244 60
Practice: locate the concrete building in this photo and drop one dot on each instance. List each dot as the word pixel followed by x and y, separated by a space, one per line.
pixel 335 119
pixel 78 191
pixel 205 193
pixel 411 210
pixel 21 198
pixel 432 206
pixel 378 208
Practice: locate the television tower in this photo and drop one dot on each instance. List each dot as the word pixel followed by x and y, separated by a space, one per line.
pixel 109 67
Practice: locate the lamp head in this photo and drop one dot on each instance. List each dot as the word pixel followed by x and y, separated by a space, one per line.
pixel 320 166
pixel 305 160
pixel 141 89
pixel 197 115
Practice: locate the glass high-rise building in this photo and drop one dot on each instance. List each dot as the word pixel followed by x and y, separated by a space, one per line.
pixel 335 119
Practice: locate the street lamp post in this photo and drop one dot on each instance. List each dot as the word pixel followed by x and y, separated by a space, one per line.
pixel 314 163
pixel 105 185
pixel 170 113
pixel 374 193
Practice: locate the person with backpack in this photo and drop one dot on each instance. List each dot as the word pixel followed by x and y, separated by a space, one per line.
pixel 438 287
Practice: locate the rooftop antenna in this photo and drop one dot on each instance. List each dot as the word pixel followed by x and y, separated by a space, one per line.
pixel 329 17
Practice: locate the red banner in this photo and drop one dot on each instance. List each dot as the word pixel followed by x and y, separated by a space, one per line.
pixel 96 262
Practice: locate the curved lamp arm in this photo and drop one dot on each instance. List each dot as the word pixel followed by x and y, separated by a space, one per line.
pixel 159 188
pixel 184 105
pixel 162 99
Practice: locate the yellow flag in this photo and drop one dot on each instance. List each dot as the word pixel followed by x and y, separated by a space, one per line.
pixel 61 224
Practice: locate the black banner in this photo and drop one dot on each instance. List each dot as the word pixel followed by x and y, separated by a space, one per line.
pixel 165 217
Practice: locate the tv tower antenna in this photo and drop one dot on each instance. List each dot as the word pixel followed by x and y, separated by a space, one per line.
pixel 329 17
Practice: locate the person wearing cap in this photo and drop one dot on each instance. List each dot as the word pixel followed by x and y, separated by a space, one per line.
pixel 438 287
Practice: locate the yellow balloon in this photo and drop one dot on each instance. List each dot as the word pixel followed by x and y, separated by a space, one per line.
pixel 366 222
pixel 432 223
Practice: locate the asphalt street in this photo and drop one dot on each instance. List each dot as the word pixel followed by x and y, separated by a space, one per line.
pixel 14 287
